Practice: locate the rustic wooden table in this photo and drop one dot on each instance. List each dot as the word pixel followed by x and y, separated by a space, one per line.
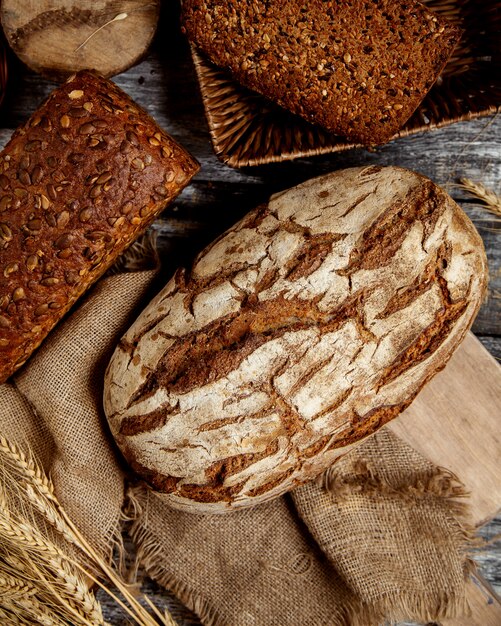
pixel 164 84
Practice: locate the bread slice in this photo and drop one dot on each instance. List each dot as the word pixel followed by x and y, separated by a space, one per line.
pixel 359 69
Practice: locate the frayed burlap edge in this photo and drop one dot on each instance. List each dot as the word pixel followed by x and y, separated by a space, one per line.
pixel 438 482
pixel 151 557
pixel 390 609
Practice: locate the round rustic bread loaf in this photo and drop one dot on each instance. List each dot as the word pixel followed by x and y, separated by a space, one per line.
pixel 302 329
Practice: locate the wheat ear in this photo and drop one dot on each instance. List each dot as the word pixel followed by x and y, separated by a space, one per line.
pixel 139 613
pixel 30 609
pixel 49 569
pixel 32 484
pixel 47 573
pixel 27 467
pixel 13 586
pixel 7 617
pixel 75 590
pixel 488 198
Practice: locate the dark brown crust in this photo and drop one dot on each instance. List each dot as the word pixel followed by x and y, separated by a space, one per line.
pixel 79 182
pixel 359 69
pixel 364 425
pixel 380 243
pixel 430 340
pixel 211 353
pixel 160 482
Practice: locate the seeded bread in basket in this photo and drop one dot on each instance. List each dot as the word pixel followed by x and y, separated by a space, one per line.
pixel 79 182
pixel 358 69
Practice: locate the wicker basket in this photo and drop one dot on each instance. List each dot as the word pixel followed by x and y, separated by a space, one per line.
pixel 247 129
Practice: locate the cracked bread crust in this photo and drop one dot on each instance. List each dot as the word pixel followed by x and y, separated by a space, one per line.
pixel 305 327
pixel 359 69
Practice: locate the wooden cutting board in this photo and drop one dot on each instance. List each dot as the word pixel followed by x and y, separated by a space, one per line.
pixel 455 422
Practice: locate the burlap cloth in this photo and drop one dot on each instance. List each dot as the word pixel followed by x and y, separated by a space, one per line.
pixel 380 537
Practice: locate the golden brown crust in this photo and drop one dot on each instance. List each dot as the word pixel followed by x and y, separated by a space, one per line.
pixel 79 182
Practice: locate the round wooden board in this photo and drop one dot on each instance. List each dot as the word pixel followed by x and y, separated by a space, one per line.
pixel 59 37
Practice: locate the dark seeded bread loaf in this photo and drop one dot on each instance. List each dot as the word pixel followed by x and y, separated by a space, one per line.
pixel 359 69
pixel 302 329
pixel 78 183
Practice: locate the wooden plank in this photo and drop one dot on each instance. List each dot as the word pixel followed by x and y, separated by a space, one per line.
pixel 454 422
pixel 492 345
pixel 488 558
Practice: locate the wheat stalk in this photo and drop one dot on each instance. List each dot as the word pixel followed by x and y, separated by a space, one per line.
pixel 76 590
pixel 7 617
pixel 27 467
pixel 27 540
pixel 30 553
pixel 117 18
pixel 488 198
pixel 49 570
pixel 11 585
pixel 53 573
pixel 30 609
